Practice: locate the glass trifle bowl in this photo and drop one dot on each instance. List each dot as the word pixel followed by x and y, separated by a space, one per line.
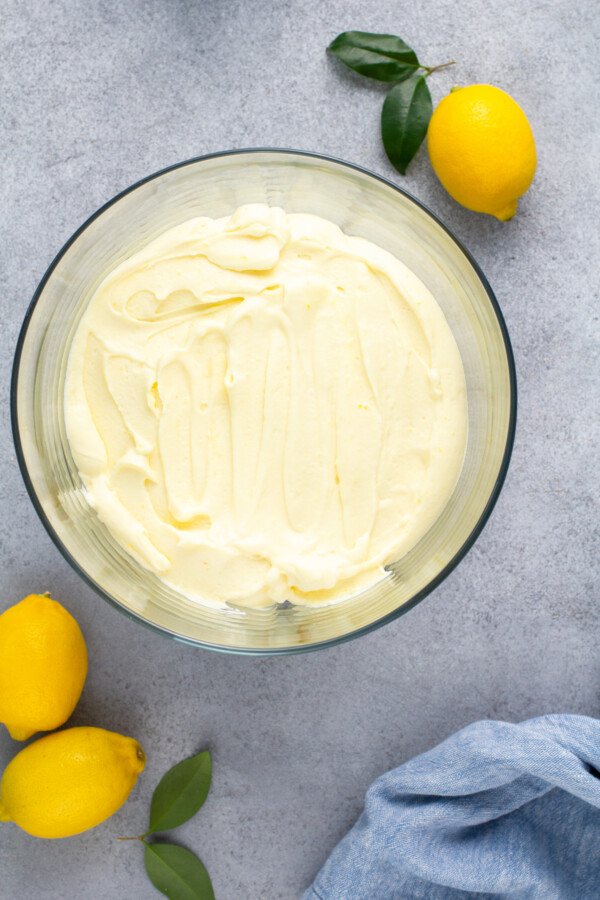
pixel 361 204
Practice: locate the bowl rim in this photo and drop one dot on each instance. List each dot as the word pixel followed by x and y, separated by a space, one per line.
pixel 317 645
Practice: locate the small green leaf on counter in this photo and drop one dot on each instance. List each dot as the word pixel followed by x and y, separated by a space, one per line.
pixel 405 117
pixel 177 873
pixel 181 792
pixel 380 56
pixel 407 108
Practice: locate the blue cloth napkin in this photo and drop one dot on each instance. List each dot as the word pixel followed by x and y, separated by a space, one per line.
pixel 497 810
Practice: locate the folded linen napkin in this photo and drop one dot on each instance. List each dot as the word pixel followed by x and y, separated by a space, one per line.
pixel 496 810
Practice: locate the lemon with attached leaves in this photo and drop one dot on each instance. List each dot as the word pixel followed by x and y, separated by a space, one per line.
pixel 43 666
pixel 69 781
pixel 482 149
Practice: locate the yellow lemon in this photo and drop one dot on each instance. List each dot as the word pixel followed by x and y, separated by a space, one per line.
pixel 482 149
pixel 69 781
pixel 43 665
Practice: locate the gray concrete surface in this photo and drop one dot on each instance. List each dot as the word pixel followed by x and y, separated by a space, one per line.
pixel 95 95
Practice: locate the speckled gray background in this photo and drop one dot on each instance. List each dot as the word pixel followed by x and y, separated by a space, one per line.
pixel 95 95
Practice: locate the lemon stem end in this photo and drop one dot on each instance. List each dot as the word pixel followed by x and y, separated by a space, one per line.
pixel 20 734
pixel 508 212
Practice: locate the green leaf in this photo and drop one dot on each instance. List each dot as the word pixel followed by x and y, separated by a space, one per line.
pixel 181 792
pixel 177 873
pixel 381 56
pixel 405 117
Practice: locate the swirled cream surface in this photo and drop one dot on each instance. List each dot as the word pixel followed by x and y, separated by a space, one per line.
pixel 263 408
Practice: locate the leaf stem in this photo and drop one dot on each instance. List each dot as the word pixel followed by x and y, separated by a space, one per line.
pixel 429 70
pixel 136 837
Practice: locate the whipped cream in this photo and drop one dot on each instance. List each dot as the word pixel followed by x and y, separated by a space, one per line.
pixel 263 408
